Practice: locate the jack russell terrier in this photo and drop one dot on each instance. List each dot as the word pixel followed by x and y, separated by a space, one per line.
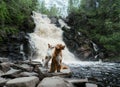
pixel 48 56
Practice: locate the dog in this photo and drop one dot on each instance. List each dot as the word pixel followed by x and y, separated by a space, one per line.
pixel 56 63
pixel 48 56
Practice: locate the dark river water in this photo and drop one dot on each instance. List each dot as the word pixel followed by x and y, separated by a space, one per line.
pixel 104 74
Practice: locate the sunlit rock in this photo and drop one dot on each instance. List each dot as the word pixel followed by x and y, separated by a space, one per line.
pixel 54 82
pixel 23 82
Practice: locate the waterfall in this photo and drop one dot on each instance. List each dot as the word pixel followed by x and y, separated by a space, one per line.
pixel 22 52
pixel 45 33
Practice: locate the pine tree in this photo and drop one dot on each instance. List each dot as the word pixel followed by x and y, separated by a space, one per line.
pixel 100 21
pixel 13 13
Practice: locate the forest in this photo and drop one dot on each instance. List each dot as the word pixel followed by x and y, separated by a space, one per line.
pixel 99 20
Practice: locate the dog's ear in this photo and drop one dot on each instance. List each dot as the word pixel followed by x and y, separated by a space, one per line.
pixel 63 47
pixel 48 45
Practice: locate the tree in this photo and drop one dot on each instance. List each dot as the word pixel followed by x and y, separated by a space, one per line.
pixel 51 11
pixel 100 21
pixel 13 13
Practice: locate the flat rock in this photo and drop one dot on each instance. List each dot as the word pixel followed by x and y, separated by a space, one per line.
pixel 63 73
pixel 54 82
pixel 11 73
pixel 77 80
pixel 23 82
pixel 27 74
pixel 91 85
pixel 27 67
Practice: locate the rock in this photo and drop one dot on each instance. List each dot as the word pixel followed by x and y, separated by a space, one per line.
pixel 91 85
pixel 16 47
pixel 54 82
pixel 2 82
pixel 63 73
pixel 1 73
pixel 5 66
pixel 78 82
pixel 11 73
pixel 23 82
pixel 63 24
pixel 27 67
pixel 27 74
pixel 4 59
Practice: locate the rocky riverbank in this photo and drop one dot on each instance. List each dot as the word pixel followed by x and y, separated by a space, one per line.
pixel 31 74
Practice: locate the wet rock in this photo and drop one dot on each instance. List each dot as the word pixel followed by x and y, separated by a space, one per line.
pixel 11 73
pixel 27 67
pixel 3 59
pixel 78 82
pixel 23 82
pixel 78 44
pixel 16 47
pixel 63 73
pixel 5 66
pixel 27 74
pixel 2 82
pixel 91 85
pixel 1 73
pixel 54 82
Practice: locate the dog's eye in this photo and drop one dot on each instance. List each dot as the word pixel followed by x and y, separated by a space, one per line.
pixel 46 57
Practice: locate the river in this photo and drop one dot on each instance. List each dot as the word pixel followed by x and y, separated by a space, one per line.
pixel 102 73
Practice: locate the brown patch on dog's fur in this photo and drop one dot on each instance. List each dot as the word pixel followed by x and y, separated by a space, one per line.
pixel 57 58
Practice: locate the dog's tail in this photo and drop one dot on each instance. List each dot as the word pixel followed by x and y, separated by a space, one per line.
pixel 64 66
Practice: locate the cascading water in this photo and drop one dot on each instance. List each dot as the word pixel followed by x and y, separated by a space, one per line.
pixel 45 33
pixel 106 74
pixel 22 52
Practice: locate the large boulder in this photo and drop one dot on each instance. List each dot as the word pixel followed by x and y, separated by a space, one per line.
pixel 23 82
pixel 5 66
pixel 54 82
pixel 80 45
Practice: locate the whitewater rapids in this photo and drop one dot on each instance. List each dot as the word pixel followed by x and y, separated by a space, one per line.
pixel 45 33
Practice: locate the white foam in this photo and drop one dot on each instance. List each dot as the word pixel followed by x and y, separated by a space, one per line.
pixel 45 33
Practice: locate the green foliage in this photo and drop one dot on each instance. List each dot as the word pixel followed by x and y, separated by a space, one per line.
pixel 73 5
pixel 13 13
pixel 52 11
pixel 100 21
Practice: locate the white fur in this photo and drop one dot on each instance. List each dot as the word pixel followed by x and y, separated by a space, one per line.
pixel 58 58
pixel 49 56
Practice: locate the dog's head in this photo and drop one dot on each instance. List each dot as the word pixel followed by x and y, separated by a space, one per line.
pixel 59 47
